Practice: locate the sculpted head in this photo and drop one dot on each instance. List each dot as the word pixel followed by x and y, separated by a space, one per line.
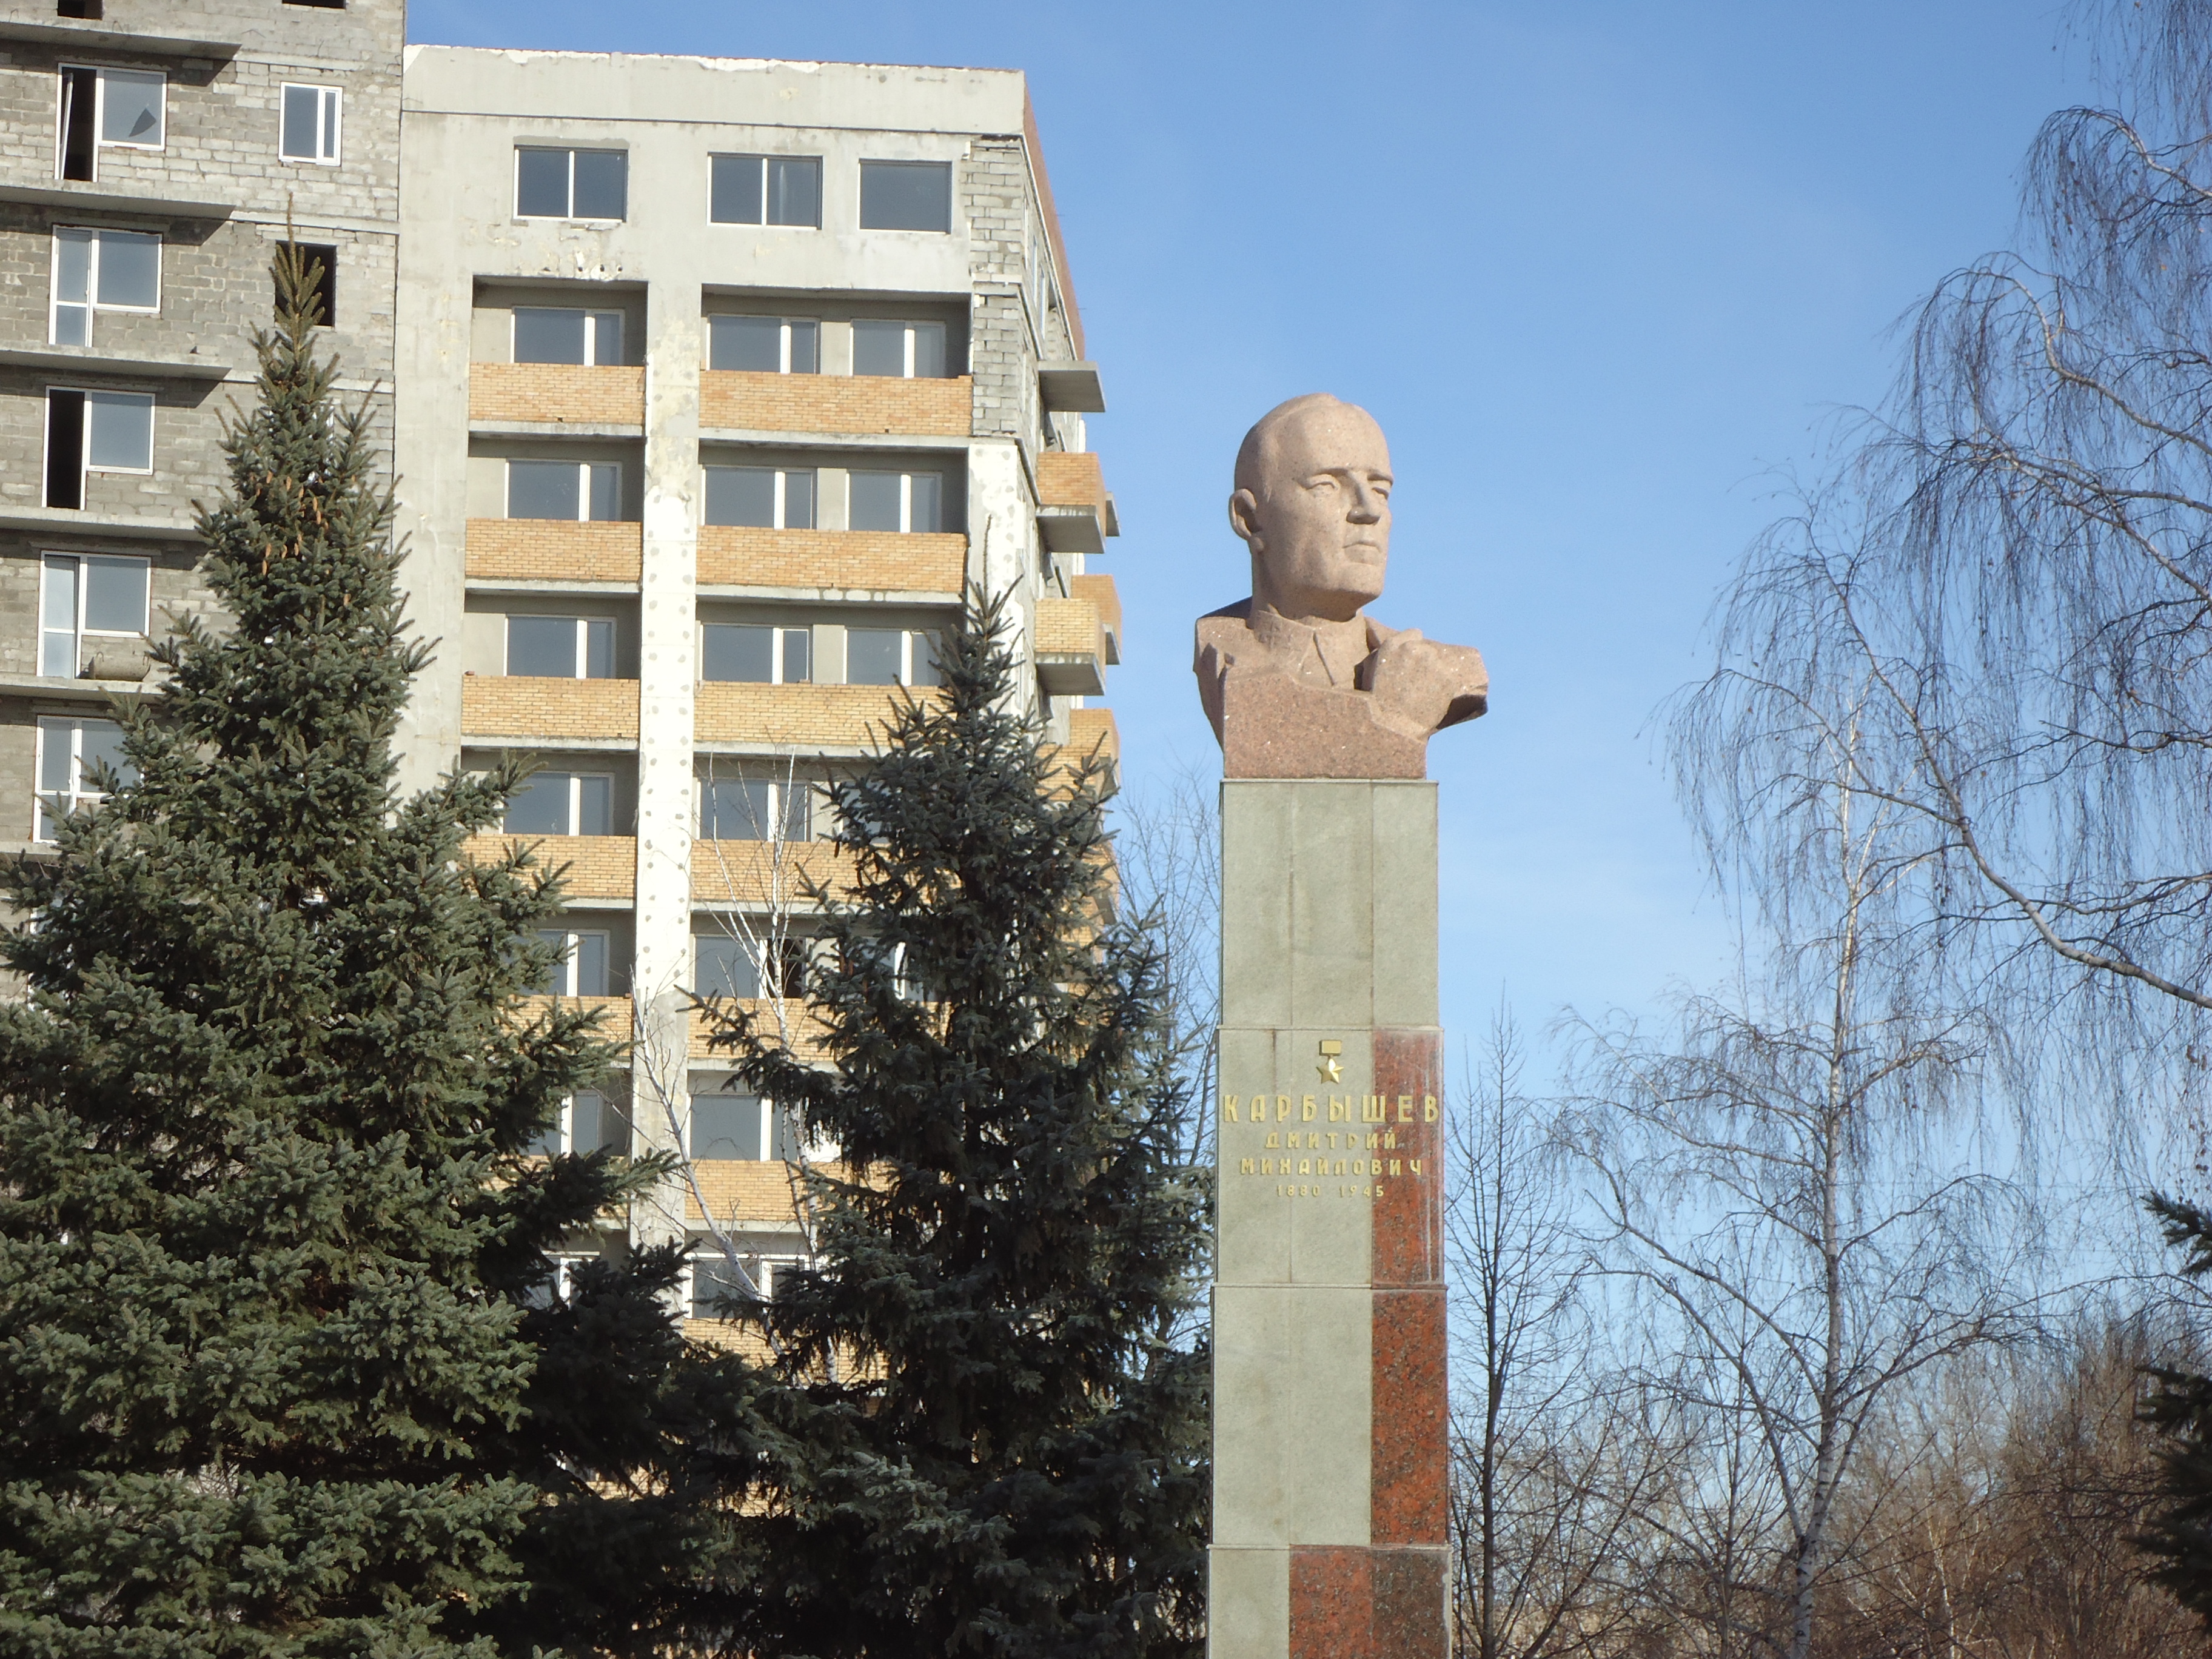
pixel 1313 502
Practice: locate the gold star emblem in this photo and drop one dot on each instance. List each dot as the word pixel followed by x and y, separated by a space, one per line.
pixel 1331 1068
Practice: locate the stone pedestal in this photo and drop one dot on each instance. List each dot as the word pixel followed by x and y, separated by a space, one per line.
pixel 1330 1432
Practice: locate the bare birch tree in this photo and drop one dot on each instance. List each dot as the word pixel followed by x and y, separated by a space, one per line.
pixel 1788 1208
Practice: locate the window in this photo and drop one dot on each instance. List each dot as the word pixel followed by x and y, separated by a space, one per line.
pixel 100 271
pixel 94 432
pixel 764 498
pixel 766 190
pixel 84 598
pixel 561 648
pixel 898 500
pixel 585 1122
pixel 309 129
pixel 562 804
pixel 582 969
pixel 745 1128
pixel 327 5
pixel 558 1282
pixel 71 754
pixel 580 491
pixel 321 261
pixel 756 809
pixel 728 966
pixel 757 655
pixel 890 656
pixel 91 10
pixel 765 345
pixel 906 196
pixel 912 351
pixel 107 109
pixel 544 335
pixel 571 184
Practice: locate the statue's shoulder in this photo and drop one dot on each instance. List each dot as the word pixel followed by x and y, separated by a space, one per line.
pixel 1222 634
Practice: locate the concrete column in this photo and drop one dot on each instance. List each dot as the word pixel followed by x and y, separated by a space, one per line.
pixel 1328 1303
pixel 667 616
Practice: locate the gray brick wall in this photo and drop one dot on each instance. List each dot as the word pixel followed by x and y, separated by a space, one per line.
pixel 222 119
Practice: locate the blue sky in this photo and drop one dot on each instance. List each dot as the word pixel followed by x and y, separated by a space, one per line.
pixel 1606 272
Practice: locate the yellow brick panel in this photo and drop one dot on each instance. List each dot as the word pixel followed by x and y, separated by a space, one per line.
pixel 746 1340
pixel 1100 592
pixel 554 550
pixel 599 866
pixel 525 706
pixel 614 1020
pixel 1070 480
pixel 744 873
pixel 760 402
pixel 1094 730
pixel 829 716
pixel 742 1189
pixel 1068 628
pixel 870 561
pixel 806 1028
pixel 556 391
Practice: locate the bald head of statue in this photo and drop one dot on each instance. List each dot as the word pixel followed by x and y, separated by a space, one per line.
pixel 1312 501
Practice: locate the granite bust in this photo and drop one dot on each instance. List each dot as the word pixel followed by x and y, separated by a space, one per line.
pixel 1297 680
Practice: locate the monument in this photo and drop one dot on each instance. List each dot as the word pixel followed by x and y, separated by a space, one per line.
pixel 1330 1432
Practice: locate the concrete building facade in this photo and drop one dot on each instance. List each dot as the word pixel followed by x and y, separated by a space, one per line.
pixel 712 384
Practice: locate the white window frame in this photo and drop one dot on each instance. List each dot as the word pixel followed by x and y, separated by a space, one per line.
pixel 570 217
pixel 911 640
pixel 784 326
pixel 908 328
pixel 93 304
pixel 780 790
pixel 101 75
pixel 706 1249
pixel 71 728
pixel 92 394
pixel 594 351
pixel 776 656
pixel 330 111
pixel 782 496
pixel 583 658
pixel 583 489
pixel 565 975
pixel 566 1125
pixel 79 633
pixel 906 500
pixel 576 780
pixel 764 222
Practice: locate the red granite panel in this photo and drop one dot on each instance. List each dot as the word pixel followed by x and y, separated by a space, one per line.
pixel 1332 1604
pixel 1407 1501
pixel 1409 1619
pixel 1408 1173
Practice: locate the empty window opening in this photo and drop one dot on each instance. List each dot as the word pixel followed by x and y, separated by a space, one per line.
pixel 93 10
pixel 100 271
pixel 765 345
pixel 571 184
pixel 765 189
pixel 561 647
pixel 912 351
pixel 321 259
pixel 308 131
pixel 760 497
pixel 580 491
pixel 86 600
pixel 906 196
pixel 548 334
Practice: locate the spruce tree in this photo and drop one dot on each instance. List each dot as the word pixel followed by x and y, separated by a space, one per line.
pixel 2180 1532
pixel 266 1218
pixel 987 1424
